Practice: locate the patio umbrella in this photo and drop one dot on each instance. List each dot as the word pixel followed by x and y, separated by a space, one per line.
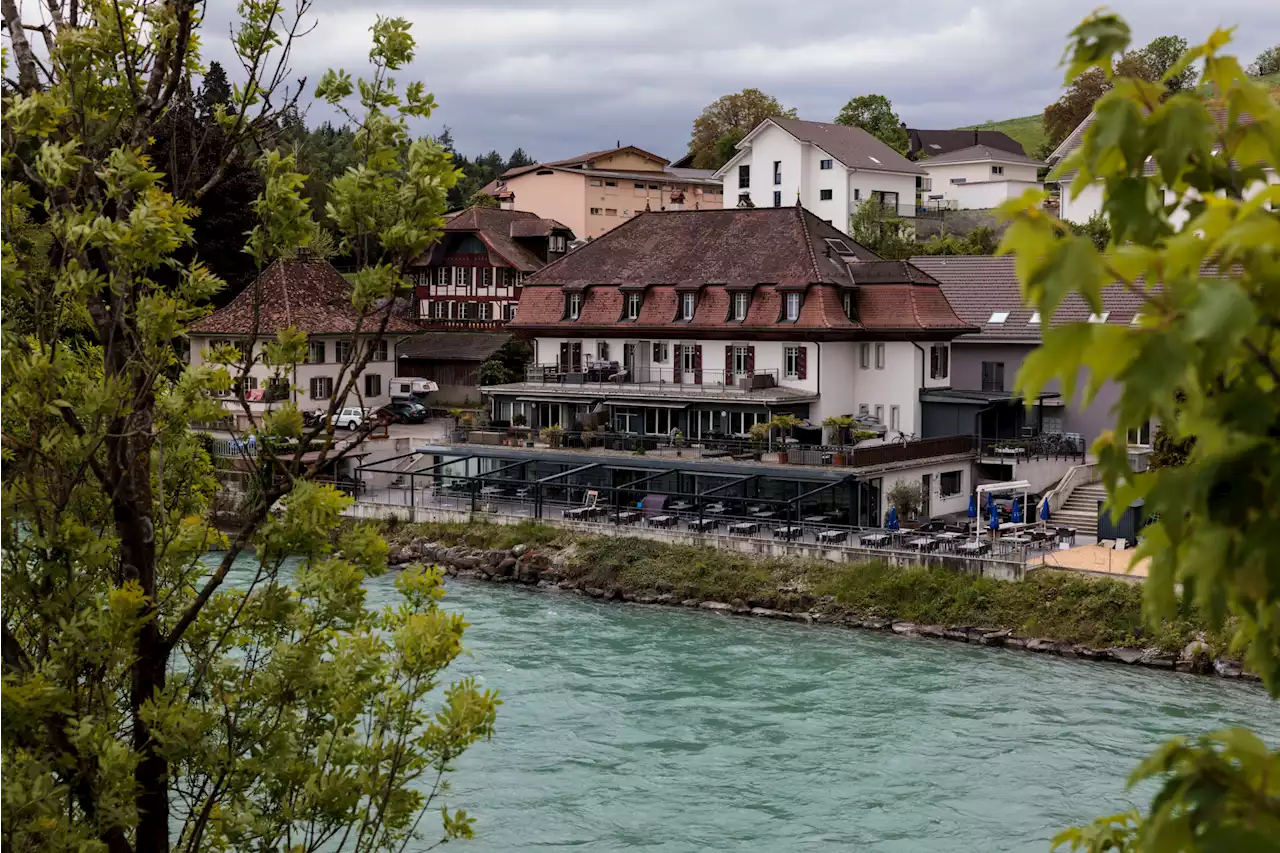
pixel 891 523
pixel 1016 516
pixel 1044 510
pixel 973 506
pixel 994 524
pixel 991 502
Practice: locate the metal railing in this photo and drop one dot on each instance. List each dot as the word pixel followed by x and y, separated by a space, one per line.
pixel 441 323
pixel 1078 475
pixel 605 374
pixel 1044 446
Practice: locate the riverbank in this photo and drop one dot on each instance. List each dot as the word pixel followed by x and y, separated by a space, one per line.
pixel 1051 612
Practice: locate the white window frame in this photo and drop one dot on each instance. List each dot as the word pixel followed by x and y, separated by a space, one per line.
pixel 574 309
pixel 741 352
pixel 442 276
pixel 895 418
pixel 741 304
pixel 634 301
pixel 688 305
pixel 879 412
pixel 997 170
pixel 486 276
pixel 864 356
pixel 826 164
pixel 791 307
pixel 880 357
pixel 343 352
pixel 312 346
pixel 826 195
pixel 380 350
pixel 791 362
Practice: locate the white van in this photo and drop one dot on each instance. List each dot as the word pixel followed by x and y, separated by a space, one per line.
pixel 412 388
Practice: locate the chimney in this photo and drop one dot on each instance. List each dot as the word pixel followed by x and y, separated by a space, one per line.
pixel 509 201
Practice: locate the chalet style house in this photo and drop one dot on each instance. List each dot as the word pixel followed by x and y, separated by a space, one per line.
pixel 710 322
pixel 311 296
pixel 471 278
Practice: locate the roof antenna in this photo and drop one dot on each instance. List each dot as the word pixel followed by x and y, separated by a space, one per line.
pixel 619 145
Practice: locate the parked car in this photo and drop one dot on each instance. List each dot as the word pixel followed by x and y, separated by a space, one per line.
pixel 404 412
pixel 351 417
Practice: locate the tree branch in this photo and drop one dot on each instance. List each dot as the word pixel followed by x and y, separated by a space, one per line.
pixel 28 79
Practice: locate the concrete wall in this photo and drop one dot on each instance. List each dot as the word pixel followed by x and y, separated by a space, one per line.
pixel 557 195
pixel 959 222
pixel 1079 209
pixel 862 183
pixel 896 384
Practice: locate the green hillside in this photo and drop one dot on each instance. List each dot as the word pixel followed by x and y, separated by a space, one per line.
pixel 1029 130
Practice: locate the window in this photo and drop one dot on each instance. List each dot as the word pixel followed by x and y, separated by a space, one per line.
pixel 315 352
pixel 639 186
pixel 610 183
pixel 597 211
pixel 380 351
pixel 848 304
pixel 879 356
pixel 857 194
pixel 611 211
pixel 466 310
pixel 558 243
pixel 508 311
pixel 777 172
pixel 484 310
pixel 824 195
pixel 993 376
pixel 373 385
pixel 461 276
pixel 1099 318
pixel 791 362
pixel 424 309
pixel 573 306
pixel 440 310
pixel 633 306
pixel 864 356
pixel 864 409
pixel 742 358
pixel 744 200
pixel 879 412
pixel 248 383
pixel 653 186
pixel 689 358
pixel 342 351
pixel 1035 319
pixel 792 307
pixel 602 350
pixel 1141 435
pixel 958 180
pixel 486 275
pixel 997 170
pixel 744 177
pixel 688 301
pixel 660 352
pixel 740 303
pixel 595 182
pixel 939 361
pixel 824 164
pixel 777 198
pixel 895 418
pixel 999 317
pixel 949 483
pixel 442 276
pixel 321 387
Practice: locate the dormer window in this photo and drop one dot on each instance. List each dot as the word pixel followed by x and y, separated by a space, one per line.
pixel 1099 318
pixel 573 306
pixel 633 306
pixel 791 307
pixel 998 318
pixel 848 304
pixel 557 243
pixel 1035 319
pixel 741 301
pixel 688 303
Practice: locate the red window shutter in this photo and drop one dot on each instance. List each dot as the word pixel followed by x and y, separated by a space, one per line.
pixel 728 364
pixel 802 363
pixel 675 362
pixel 697 364
pixel 564 356
pixel 751 359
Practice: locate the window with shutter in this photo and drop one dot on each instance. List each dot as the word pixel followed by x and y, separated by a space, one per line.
pixel 729 369
pixel 803 363
pixel 751 359
pixel 697 364
pixel 676 361
pixel 563 366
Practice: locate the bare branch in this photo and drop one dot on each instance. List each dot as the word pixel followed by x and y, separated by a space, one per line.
pixel 28 79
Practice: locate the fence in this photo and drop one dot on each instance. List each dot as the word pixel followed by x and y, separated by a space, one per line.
pixel 611 374
pixel 1044 446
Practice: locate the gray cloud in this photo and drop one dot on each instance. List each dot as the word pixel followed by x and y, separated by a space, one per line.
pixel 558 77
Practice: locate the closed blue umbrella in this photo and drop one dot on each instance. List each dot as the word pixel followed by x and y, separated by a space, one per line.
pixel 991 502
pixel 994 524
pixel 1044 510
pixel 1016 516
pixel 973 506
pixel 891 522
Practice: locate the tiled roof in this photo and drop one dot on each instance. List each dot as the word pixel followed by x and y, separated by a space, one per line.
pixel 852 146
pixel 768 250
pixel 936 142
pixel 309 295
pixel 980 286
pixel 453 346
pixel 498 229
pixel 979 152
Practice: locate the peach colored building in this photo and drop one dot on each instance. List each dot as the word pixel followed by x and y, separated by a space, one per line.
pixel 598 191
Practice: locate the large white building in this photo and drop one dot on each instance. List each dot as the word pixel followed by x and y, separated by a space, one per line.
pixel 829 169
pixel 979 177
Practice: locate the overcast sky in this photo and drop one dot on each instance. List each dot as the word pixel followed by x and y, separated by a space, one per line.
pixel 560 77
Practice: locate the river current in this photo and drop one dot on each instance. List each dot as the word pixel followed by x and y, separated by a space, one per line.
pixel 660 729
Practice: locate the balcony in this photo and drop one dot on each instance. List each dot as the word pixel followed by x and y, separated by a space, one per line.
pixel 611 375
pixel 464 325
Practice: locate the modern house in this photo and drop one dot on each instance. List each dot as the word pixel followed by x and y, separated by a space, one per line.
pixel 829 169
pixel 979 177
pixel 985 294
pixel 598 191
pixel 308 295
pixel 471 278
pixel 934 143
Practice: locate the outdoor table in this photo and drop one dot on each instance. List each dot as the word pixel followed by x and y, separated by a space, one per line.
pixel 716 509
pixel 628 517
pixel 744 528
pixel 875 539
pixel 921 543
pixel 787 532
pixel 704 524
pixel 1007 526
pixel 1016 540
pixel 577 512
pixel 523 493
pixel 662 521
pixel 764 513
pixel 971 547
pixel 680 506
pixel 815 519
pixel 830 536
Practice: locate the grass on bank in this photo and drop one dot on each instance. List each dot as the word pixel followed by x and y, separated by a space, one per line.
pixel 1062 606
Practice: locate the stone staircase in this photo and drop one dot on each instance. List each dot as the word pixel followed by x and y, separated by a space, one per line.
pixel 1081 512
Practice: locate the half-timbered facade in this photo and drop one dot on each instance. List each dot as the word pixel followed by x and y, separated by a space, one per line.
pixel 471 278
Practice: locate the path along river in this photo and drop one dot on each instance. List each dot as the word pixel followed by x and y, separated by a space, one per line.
pixel 657 729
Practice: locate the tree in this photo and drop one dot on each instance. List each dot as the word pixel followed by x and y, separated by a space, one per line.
pixel 1162 54
pixel 1267 62
pixel 886 234
pixel 1066 114
pixel 518 158
pixel 741 111
pixel 1204 361
pixel 157 695
pixel 982 240
pixel 214 91
pixel 1169 452
pixel 1096 228
pixel 875 115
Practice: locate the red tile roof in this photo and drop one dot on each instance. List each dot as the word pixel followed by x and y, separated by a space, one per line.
pixel 499 229
pixel 769 250
pixel 309 295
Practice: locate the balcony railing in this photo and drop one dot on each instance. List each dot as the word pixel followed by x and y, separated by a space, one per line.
pixel 479 325
pixel 611 374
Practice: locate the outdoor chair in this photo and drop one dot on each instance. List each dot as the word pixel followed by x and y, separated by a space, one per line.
pixel 931 527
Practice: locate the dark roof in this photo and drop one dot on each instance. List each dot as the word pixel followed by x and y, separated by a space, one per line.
pixel 937 142
pixel 306 294
pixel 582 161
pixel 766 250
pixel 453 346
pixel 852 146
pixel 978 286
pixel 980 152
pixel 498 229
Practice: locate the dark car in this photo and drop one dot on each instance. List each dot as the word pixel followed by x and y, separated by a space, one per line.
pixel 404 412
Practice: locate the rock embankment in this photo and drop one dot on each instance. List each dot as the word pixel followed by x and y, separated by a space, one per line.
pixel 554 568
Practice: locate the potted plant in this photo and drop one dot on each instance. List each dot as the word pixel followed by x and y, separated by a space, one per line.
pixel 784 424
pixel 838 427
pixel 677 441
pixel 552 434
pixel 907 496
pixel 759 436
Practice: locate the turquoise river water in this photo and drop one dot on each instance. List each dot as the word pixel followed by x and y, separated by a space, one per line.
pixel 658 729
